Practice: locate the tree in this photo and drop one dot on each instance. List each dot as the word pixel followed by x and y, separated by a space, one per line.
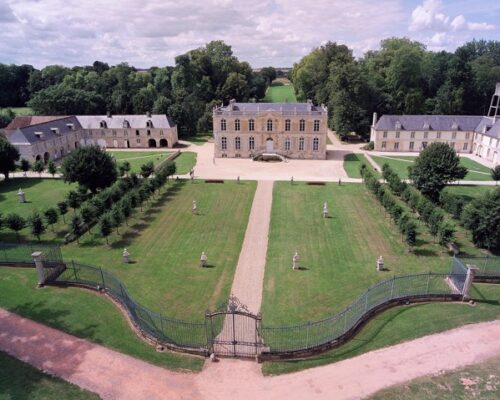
pixel 147 169
pixel 73 199
pixel 8 157
pixel 482 218
pixel 105 226
pixel 37 226
pixel 38 167
pixel 88 214
pixel 124 168
pixel 116 217
pixel 51 216
pixel 410 235
pixel 63 209
pixel 25 165
pixel 91 167
pixel 15 223
pixel 51 168
pixel 436 166
pixel 446 233
pixel 495 174
pixel 126 208
pixel 76 227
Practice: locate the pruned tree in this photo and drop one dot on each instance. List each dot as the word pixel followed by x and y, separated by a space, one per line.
pixel 36 224
pixel 51 217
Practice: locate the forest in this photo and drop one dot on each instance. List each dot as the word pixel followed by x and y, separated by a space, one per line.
pixel 401 77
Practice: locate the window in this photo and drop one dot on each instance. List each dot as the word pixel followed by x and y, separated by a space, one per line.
pixel 149 124
pixel 149 132
pixel 424 145
pixel 412 144
pixel 137 132
pixel 454 135
pixel 315 144
pixel 426 135
pixel 467 135
pixel 126 124
pixel 224 143
pixel 397 134
pixel 302 125
pixel 138 140
pixel 384 145
pixel 161 133
pixel 236 124
pixel 316 125
pixel 103 124
pixel 412 135
pixel 114 133
pixel 237 143
pixel 439 135
pixel 125 133
pixel 251 125
pixel 452 145
pixel 287 145
pixel 385 134
pixel 269 125
pixel 287 125
pixel 251 143
pixel 222 124
pixel 465 146
pixel 396 146
pixel 301 143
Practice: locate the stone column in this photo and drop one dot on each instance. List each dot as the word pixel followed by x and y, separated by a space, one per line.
pixel 471 272
pixel 37 258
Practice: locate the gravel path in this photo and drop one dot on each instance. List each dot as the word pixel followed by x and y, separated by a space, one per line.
pixel 113 375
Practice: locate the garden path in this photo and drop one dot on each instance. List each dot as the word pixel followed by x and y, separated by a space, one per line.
pixel 113 375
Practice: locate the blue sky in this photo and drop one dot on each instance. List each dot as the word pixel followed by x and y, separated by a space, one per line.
pixel 263 32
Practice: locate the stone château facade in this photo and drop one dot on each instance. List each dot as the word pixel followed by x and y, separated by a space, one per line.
pixel 293 130
pixel 57 136
pixel 466 134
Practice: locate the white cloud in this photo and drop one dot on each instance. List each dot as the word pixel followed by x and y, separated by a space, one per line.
pixel 459 23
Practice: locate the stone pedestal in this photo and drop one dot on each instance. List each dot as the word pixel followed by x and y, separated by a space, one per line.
pixel 21 196
pixel 37 258
pixel 194 207
pixel 296 262
pixel 126 256
pixel 380 264
pixel 325 210
pixel 471 272
pixel 203 260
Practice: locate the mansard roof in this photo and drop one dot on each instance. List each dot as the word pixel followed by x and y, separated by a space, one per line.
pixel 256 108
pixel 117 121
pixel 429 122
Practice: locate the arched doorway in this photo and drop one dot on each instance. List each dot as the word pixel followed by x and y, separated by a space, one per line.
pixel 151 143
pixel 38 157
pixel 163 143
pixel 269 145
pixel 46 157
pixel 76 145
pixel 127 144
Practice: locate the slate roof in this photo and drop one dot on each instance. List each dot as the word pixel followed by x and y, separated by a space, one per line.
pixel 279 107
pixel 492 128
pixel 27 120
pixel 116 121
pixel 428 122
pixel 27 135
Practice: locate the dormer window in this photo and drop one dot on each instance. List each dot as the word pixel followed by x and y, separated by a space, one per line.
pixel 39 135
pixel 455 127
pixel 398 126
pixel 103 124
pixel 149 123
pixel 55 131
pixel 126 124
pixel 70 126
pixel 427 126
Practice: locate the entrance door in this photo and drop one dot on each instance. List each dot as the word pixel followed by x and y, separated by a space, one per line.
pixel 269 145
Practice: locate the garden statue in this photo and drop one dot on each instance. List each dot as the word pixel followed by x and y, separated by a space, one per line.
pixel 291 180
pixel 126 256
pixel 194 208
pixel 238 179
pixel 21 195
pixel 295 261
pixel 380 264
pixel 203 259
pixel 325 210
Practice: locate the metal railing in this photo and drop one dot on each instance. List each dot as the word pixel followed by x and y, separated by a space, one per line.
pixel 17 254
pixel 488 267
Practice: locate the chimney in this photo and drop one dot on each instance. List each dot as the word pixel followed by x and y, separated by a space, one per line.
pixel 232 102
pixel 374 122
pixel 309 105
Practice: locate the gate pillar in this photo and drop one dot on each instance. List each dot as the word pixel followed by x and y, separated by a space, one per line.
pixel 471 272
pixel 37 258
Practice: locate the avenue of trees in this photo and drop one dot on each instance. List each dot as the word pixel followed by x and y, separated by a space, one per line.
pixel 402 77
pixel 186 92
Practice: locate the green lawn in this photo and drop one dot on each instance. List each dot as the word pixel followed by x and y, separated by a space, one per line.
pixel 468 192
pixel 352 163
pixel 338 253
pixel 166 241
pixel 280 93
pixel 81 313
pixel 198 139
pixel 403 323
pixel 478 381
pixel 138 158
pixel 399 164
pixel 184 162
pixel 21 110
pixel 19 380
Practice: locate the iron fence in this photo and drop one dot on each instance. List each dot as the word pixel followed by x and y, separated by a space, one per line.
pixel 20 254
pixel 488 267
pixel 168 331
pixel 312 334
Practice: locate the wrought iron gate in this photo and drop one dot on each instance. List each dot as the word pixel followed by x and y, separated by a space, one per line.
pixel 234 332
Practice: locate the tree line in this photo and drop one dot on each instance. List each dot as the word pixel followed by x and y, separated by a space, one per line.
pixel 402 77
pixel 186 92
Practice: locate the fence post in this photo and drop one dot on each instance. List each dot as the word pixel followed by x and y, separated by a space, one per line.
pixel 307 334
pixel 428 279
pixel 161 324
pixel 102 277
pixel 392 287
pixel 471 272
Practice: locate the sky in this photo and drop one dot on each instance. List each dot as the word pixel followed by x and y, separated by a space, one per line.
pixel 147 33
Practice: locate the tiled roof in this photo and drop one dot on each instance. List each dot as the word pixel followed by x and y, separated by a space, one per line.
pixel 27 120
pixel 489 128
pixel 29 134
pixel 428 122
pixel 117 121
pixel 262 107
